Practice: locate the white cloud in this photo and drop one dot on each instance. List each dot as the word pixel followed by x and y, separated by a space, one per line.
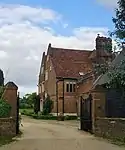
pixel 22 42
pixel 19 13
pixel 108 3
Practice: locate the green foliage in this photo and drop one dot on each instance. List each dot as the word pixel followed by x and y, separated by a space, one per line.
pixel 101 68
pixel 119 21
pixel 28 100
pixel 24 106
pixel 1 91
pixel 70 117
pixel 108 47
pixel 47 106
pixel 116 76
pixel 30 113
pixel 5 109
pixel 37 104
pixel 6 140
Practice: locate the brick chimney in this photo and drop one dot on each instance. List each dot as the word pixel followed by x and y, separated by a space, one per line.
pixel 102 44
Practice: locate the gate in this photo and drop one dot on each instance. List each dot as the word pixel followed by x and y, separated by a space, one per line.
pixel 17 117
pixel 85 113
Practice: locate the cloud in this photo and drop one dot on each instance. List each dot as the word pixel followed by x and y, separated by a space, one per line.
pixel 18 13
pixel 22 42
pixel 108 3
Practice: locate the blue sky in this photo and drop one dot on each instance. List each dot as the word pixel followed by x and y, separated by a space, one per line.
pixel 76 12
pixel 28 26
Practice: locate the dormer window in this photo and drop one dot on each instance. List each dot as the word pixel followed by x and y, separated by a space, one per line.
pixel 81 73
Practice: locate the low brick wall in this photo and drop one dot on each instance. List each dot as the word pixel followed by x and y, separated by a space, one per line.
pixel 7 127
pixel 112 128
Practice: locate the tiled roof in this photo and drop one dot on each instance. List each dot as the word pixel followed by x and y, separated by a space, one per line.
pixel 69 62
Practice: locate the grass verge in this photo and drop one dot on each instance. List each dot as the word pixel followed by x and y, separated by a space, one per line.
pixel 29 112
pixel 9 139
pixel 113 140
pixel 6 140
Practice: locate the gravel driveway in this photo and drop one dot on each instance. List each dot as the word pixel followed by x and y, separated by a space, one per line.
pixel 49 135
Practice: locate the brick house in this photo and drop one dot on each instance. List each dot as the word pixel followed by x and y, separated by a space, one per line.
pixel 66 73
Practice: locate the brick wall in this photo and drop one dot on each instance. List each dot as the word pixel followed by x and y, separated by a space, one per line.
pixel 112 128
pixel 7 127
pixel 98 104
pixel 70 99
pixel 10 95
pixel 83 88
pixel 50 88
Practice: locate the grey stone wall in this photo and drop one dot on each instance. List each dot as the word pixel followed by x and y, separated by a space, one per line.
pixel 7 127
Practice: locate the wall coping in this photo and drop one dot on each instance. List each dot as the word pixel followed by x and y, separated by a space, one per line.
pixel 9 118
pixel 105 118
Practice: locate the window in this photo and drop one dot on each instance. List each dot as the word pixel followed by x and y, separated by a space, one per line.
pixel 50 68
pixel 70 86
pixel 42 70
pixel 74 87
pixel 81 73
pixel 71 89
pixel 46 75
pixel 42 87
pixel 39 89
pixel 47 57
pixel 45 95
pixel 67 87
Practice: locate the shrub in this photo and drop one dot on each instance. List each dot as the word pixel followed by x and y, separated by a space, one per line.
pixel 45 117
pixel 24 106
pixel 47 106
pixel 27 112
pixel 70 117
pixel 5 109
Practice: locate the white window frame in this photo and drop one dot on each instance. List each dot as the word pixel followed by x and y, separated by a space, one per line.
pixel 42 69
pixel 46 75
pixel 70 83
pixel 47 57
pixel 42 87
pixel 45 95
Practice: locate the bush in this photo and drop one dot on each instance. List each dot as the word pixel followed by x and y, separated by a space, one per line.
pixel 5 109
pixel 45 117
pixel 70 117
pixel 47 106
pixel 24 106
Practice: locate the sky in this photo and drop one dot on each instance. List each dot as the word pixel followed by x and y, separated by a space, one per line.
pixel 28 26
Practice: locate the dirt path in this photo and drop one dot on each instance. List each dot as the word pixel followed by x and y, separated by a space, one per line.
pixel 49 135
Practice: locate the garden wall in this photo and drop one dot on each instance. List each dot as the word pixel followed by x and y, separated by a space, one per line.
pixel 7 127
pixel 112 128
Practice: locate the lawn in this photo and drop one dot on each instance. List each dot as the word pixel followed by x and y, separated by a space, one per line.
pixel 29 110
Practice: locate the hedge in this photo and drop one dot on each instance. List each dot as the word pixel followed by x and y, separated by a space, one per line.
pixel 46 117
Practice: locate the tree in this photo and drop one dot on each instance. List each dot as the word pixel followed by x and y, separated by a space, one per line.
pixel 30 98
pixel 116 76
pixel 119 22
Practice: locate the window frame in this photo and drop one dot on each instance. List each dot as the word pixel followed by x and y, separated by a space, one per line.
pixel 70 87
